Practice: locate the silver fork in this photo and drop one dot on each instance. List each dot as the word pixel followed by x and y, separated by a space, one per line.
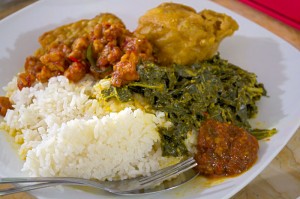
pixel 140 185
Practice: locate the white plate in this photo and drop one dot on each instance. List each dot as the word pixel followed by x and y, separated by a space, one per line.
pixel 274 61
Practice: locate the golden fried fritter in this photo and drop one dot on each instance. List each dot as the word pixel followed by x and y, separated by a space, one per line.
pixel 181 35
pixel 68 33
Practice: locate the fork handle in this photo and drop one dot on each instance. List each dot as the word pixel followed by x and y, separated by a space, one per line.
pixel 19 189
pixel 41 182
pixel 62 180
pixel 40 179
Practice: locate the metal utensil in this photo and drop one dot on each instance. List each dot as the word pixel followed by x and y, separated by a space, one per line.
pixel 140 185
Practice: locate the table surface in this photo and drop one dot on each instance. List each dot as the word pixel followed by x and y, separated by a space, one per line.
pixel 281 179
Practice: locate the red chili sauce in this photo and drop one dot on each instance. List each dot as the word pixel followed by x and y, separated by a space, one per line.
pixel 224 149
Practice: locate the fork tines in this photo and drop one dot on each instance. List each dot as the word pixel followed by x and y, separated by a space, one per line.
pixel 168 172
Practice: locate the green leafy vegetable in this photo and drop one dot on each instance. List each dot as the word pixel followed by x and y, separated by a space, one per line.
pixel 89 55
pixel 212 89
pixel 262 133
pixel 123 94
pixel 93 67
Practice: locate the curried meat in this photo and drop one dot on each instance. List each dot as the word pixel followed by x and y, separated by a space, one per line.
pixel 100 46
pixel 181 35
pixel 125 71
pixel 117 52
pixel 224 149
pixel 79 46
pixel 5 104
pixel 25 79
pixel 33 65
pixel 76 71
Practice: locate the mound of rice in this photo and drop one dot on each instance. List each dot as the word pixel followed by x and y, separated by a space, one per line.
pixel 66 133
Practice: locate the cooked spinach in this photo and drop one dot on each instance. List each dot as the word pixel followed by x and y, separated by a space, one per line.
pixel 188 95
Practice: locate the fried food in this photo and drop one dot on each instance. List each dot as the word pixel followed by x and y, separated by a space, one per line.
pixel 67 34
pixel 100 46
pixel 181 35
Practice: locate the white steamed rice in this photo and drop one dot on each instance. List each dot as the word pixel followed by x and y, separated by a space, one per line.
pixel 66 133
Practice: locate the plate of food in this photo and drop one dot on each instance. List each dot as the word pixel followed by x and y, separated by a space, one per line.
pixel 110 91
